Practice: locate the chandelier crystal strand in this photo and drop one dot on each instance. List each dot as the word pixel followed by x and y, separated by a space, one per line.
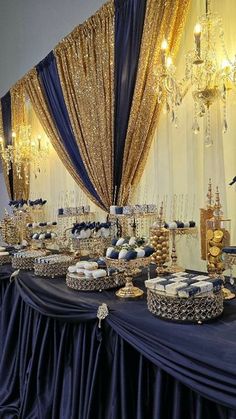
pixel 209 80
pixel 208 139
pixel 24 152
pixel 167 87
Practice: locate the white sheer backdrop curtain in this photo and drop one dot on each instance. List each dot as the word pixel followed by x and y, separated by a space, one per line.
pixel 179 163
pixel 54 183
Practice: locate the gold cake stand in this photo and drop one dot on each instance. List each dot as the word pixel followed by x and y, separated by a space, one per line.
pixel 130 268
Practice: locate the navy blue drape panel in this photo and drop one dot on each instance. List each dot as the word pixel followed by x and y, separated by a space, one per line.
pixel 48 75
pixel 7 131
pixel 129 20
pixel 56 364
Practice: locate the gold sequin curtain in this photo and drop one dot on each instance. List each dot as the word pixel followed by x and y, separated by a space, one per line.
pixel 163 19
pixel 21 178
pixel 4 166
pixel 85 61
pixel 34 91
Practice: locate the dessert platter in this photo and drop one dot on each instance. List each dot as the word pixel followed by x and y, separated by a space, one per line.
pixel 129 254
pixel 187 298
pixel 93 276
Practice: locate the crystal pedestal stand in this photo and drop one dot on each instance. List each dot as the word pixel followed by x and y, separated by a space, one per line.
pixel 129 291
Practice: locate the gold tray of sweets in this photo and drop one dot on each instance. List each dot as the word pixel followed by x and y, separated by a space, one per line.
pixel 91 284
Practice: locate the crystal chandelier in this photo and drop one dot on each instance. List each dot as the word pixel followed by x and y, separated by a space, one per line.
pixel 39 152
pixel 18 152
pixel 168 89
pixel 206 77
pixel 24 153
pixel 209 79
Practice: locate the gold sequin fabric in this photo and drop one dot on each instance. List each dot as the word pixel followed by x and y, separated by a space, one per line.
pixel 18 118
pixel 85 61
pixel 163 19
pixel 4 167
pixel 35 93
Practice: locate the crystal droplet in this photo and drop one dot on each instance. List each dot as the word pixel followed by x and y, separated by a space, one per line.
pixel 176 122
pixel 202 111
pixel 178 99
pixel 225 126
pixel 172 116
pixel 208 141
pixel 195 127
pixel 223 92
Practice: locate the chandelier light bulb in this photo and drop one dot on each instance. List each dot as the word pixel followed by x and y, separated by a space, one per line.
pixel 197 29
pixel 224 64
pixel 164 45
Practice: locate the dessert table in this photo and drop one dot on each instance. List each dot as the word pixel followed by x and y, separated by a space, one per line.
pixel 56 363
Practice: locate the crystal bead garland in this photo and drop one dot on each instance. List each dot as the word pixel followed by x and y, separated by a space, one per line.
pixel 167 88
pixel 195 126
pixel 208 140
pixel 225 125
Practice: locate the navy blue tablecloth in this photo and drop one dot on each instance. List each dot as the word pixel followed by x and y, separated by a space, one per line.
pixel 56 363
